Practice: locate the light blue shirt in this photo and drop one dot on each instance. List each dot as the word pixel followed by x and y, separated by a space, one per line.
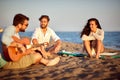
pixel 7 39
pixel 7 35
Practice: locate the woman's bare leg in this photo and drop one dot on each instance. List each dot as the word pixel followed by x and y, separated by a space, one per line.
pixel 88 48
pixel 99 48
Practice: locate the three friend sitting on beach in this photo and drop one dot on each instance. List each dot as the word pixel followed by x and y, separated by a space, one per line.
pixel 18 55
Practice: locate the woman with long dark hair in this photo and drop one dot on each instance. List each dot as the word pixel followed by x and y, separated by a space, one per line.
pixel 92 36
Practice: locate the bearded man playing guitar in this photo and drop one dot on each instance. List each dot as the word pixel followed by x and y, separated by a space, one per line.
pixel 14 48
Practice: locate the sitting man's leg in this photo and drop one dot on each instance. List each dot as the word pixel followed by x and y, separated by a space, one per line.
pixel 24 62
pixel 40 59
pixel 55 48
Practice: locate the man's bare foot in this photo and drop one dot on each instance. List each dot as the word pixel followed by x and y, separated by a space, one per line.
pixel 53 62
pixel 50 56
pixel 43 52
pixel 46 55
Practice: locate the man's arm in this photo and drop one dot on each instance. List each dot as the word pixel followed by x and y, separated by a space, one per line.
pixel 35 36
pixel 34 41
pixel 56 47
pixel 22 41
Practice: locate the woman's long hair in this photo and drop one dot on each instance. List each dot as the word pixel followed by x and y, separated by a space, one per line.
pixel 86 30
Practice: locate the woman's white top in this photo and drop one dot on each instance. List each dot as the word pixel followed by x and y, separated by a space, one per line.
pixel 99 35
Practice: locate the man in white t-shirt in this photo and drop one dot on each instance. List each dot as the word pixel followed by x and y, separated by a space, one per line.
pixel 43 35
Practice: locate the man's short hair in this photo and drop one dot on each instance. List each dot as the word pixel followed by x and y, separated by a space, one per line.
pixel 44 16
pixel 19 19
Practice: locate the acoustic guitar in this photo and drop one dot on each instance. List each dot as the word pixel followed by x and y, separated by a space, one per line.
pixel 14 53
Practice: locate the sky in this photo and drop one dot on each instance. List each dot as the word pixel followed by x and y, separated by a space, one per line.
pixel 65 15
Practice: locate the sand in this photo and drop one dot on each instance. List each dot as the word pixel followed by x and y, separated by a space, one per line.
pixel 69 68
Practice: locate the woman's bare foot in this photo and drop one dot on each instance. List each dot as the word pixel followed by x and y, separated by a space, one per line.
pixel 90 56
pixel 97 56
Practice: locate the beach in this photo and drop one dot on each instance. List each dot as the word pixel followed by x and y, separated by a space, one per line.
pixel 69 68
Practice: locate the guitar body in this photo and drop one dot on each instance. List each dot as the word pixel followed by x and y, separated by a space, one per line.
pixel 13 53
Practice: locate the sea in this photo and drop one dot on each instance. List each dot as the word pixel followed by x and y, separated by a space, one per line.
pixel 111 39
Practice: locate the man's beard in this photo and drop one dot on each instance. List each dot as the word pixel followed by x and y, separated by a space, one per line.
pixel 22 30
pixel 43 26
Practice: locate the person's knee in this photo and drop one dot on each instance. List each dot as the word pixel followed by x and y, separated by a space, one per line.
pixel 57 49
pixel 99 41
pixel 86 42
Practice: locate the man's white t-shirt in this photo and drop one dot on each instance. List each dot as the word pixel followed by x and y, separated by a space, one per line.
pixel 41 38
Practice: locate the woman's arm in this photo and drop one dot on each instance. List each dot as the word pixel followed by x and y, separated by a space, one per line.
pixel 99 35
pixel 85 37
